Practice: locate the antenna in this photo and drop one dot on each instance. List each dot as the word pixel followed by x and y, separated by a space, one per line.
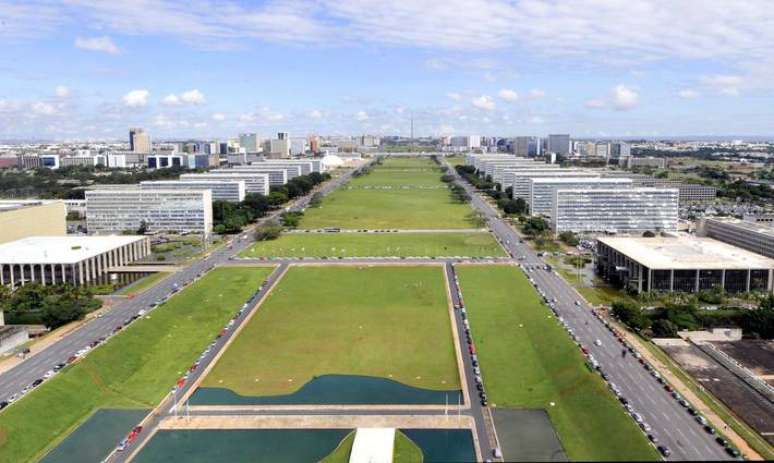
pixel 412 126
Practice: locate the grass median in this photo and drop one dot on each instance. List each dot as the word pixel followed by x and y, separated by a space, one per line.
pixel 134 369
pixel 389 322
pixel 469 244
pixel 528 361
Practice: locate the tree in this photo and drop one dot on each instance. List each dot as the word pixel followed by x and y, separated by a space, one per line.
pixel 630 314
pixel 143 228
pixel 648 234
pixel 268 231
pixel 663 328
pixel 316 200
pixel 447 178
pixel 477 218
pixel 277 198
pixel 534 226
pixel 569 238
pixel 291 219
pixel 256 203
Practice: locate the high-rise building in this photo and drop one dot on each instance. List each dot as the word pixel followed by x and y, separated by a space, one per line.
pixel 559 144
pixel 249 141
pixel 542 190
pixel 620 150
pixel 139 140
pixel 526 146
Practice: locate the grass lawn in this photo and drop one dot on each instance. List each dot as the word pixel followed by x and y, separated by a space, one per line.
pixel 377 244
pixel 143 283
pixel 135 369
pixel 344 320
pixel 528 361
pixel 401 193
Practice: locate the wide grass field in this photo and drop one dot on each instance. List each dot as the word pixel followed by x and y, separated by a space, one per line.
pixel 469 244
pixel 134 369
pixel 529 361
pixel 390 322
pixel 399 194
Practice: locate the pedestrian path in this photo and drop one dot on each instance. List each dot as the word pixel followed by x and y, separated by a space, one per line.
pixel 373 445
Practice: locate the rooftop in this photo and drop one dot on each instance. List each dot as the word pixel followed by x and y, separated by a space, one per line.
pixel 11 205
pixel 60 249
pixel 580 180
pixel 684 252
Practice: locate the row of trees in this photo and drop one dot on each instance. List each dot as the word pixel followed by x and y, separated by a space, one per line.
pixel 667 320
pixel 52 306
pixel 230 217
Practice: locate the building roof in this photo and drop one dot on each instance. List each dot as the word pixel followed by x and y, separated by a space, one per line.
pixel 682 253
pixel 60 249
pixel 12 205
pixel 753 227
pixel 580 180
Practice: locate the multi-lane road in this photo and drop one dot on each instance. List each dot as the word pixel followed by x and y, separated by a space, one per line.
pixel 671 424
pixel 36 366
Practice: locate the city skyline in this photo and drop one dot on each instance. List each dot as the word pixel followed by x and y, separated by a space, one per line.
pixel 588 68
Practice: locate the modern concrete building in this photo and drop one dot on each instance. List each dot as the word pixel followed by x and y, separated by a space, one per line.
pixel 307 165
pixel 518 180
pixel 139 140
pixel 250 142
pixel 526 146
pixel 632 162
pixel 684 264
pixel 163 161
pixel 755 237
pixel 179 211
pixel 542 190
pixel 559 144
pixel 255 182
pixel 291 171
pixel 23 218
pixel 617 210
pixel 222 190
pixel 277 175
pixel 77 260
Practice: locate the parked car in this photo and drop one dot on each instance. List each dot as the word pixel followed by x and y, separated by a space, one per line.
pixel 664 451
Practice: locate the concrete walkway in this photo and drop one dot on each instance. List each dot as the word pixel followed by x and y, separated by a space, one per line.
pixel 436 421
pixel 373 445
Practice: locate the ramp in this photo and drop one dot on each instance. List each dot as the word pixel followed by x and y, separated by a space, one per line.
pixel 373 445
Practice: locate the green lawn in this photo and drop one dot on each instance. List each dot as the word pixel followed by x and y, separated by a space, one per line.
pixel 344 320
pixel 402 193
pixel 377 245
pixel 135 369
pixel 143 283
pixel 529 361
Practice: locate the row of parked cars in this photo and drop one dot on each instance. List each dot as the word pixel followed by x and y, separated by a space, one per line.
pixel 702 421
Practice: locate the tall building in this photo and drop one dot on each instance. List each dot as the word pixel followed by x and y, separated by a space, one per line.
pixel 542 190
pixel 222 190
pixel 139 140
pixel 113 211
pixel 620 150
pixel 615 210
pixel 249 141
pixel 755 237
pixel 527 146
pixel 559 144
pixel 255 182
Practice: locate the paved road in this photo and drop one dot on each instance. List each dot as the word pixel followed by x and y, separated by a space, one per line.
pixel 35 366
pixel 671 424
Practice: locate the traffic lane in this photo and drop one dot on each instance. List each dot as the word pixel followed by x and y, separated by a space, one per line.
pixel 648 397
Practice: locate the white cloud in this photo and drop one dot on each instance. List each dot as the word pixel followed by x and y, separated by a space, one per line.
pixel 361 116
pixel 624 98
pixel 62 91
pixel 170 100
pixel 454 96
pixel 194 97
pixel 536 120
pixel 437 64
pixel 218 117
pixel 104 44
pixel 725 84
pixel 688 94
pixel 489 77
pixel 136 98
pixel 508 95
pixel 536 93
pixel 484 102
pixel 445 129
pixel 43 109
pixel 596 103
pixel 315 114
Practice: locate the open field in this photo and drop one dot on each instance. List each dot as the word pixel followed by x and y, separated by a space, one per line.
pixel 528 361
pixel 389 322
pixel 377 245
pixel 400 193
pixel 135 369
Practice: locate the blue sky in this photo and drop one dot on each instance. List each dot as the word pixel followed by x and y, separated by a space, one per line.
pixel 79 69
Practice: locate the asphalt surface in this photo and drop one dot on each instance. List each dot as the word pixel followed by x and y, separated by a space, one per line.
pixel 35 366
pixel 672 425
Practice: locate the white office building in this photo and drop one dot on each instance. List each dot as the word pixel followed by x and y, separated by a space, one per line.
pixel 542 190
pixel 76 260
pixel 277 175
pixel 518 180
pixel 615 210
pixel 180 211
pixel 222 190
pixel 254 182
pixel 307 165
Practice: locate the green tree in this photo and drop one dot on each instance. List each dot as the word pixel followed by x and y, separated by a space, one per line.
pixel 569 238
pixel 630 314
pixel 268 231
pixel 277 198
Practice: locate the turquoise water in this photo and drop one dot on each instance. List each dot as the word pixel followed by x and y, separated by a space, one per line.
pixel 241 446
pixel 334 389
pixel 443 445
pixel 96 437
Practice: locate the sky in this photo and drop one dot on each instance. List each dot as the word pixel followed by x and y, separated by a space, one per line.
pixel 80 70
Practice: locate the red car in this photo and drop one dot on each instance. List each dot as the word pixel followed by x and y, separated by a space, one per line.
pixel 584 350
pixel 472 349
pixel 137 429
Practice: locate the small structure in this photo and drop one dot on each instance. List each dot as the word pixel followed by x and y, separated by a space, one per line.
pixel 77 260
pixel 11 337
pixel 373 445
